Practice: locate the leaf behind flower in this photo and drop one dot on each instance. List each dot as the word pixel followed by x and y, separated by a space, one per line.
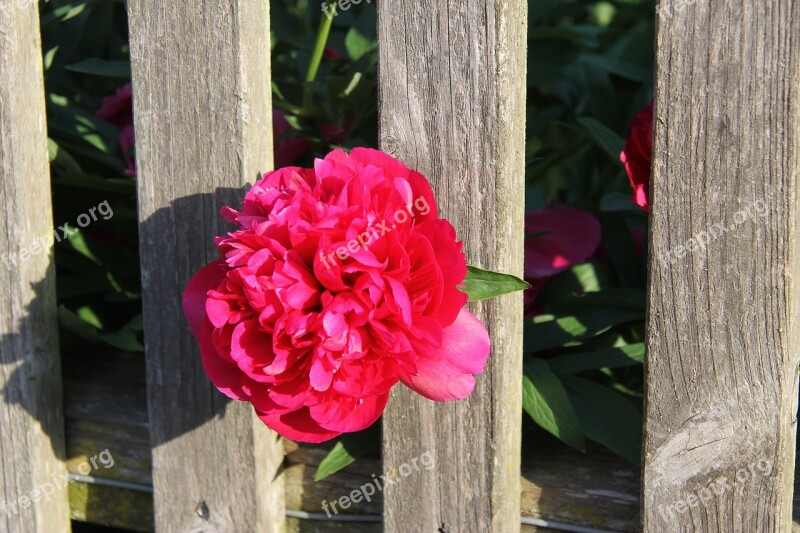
pixel 349 448
pixel 484 284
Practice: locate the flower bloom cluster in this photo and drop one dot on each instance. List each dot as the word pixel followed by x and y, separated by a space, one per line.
pixel 316 348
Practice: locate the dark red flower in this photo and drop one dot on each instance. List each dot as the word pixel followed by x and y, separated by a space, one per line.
pixel 558 239
pixel 290 149
pixel 637 155
pixel 118 109
pixel 334 133
pixel 332 53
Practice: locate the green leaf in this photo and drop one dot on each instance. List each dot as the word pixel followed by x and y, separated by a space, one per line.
pixel 538 234
pixel 534 199
pixel 630 299
pixel 348 449
pixel 101 67
pixel 88 315
pixel 607 417
pixel 547 331
pixel 621 249
pixel 85 324
pixel 630 355
pixel 610 142
pixel 77 242
pixel 67 171
pixel 90 153
pixel 70 286
pixel 358 44
pixel 73 114
pixel 64 13
pixel 353 90
pixel 580 279
pixel 75 323
pixel 617 201
pixel 546 401
pixel 124 339
pixel 618 67
pixel 483 284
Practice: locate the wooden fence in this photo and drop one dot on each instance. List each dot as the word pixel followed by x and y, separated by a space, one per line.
pixel 723 339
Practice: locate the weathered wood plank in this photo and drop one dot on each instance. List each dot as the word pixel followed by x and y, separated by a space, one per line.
pixel 111 506
pixel 723 333
pixel 452 105
pixel 31 419
pixel 202 118
pixel 104 408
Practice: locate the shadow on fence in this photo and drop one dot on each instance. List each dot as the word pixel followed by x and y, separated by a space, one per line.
pixel 34 371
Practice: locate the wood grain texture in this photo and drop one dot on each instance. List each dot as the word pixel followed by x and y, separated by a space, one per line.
pixel 203 129
pixel 105 407
pixel 31 419
pixel 723 333
pixel 452 105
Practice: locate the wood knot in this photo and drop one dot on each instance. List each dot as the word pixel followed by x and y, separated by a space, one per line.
pixel 203 511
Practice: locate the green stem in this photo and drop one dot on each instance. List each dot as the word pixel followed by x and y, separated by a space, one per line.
pixel 316 57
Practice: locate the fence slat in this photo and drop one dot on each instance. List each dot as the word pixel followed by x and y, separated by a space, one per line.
pixel 31 417
pixel 452 105
pixel 723 320
pixel 203 129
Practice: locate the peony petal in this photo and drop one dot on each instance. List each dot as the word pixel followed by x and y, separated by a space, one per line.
pixel 453 266
pixel 225 376
pixel 447 374
pixel 258 396
pixel 349 414
pixel 251 349
pixel 196 294
pixel 393 168
pixel 640 196
pixel 298 426
pixel 321 373
pixel 637 154
pixel 400 296
pixel 425 207
pixel 572 238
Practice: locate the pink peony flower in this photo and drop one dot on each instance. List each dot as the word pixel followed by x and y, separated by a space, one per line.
pixel 568 237
pixel 338 282
pixel 637 155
